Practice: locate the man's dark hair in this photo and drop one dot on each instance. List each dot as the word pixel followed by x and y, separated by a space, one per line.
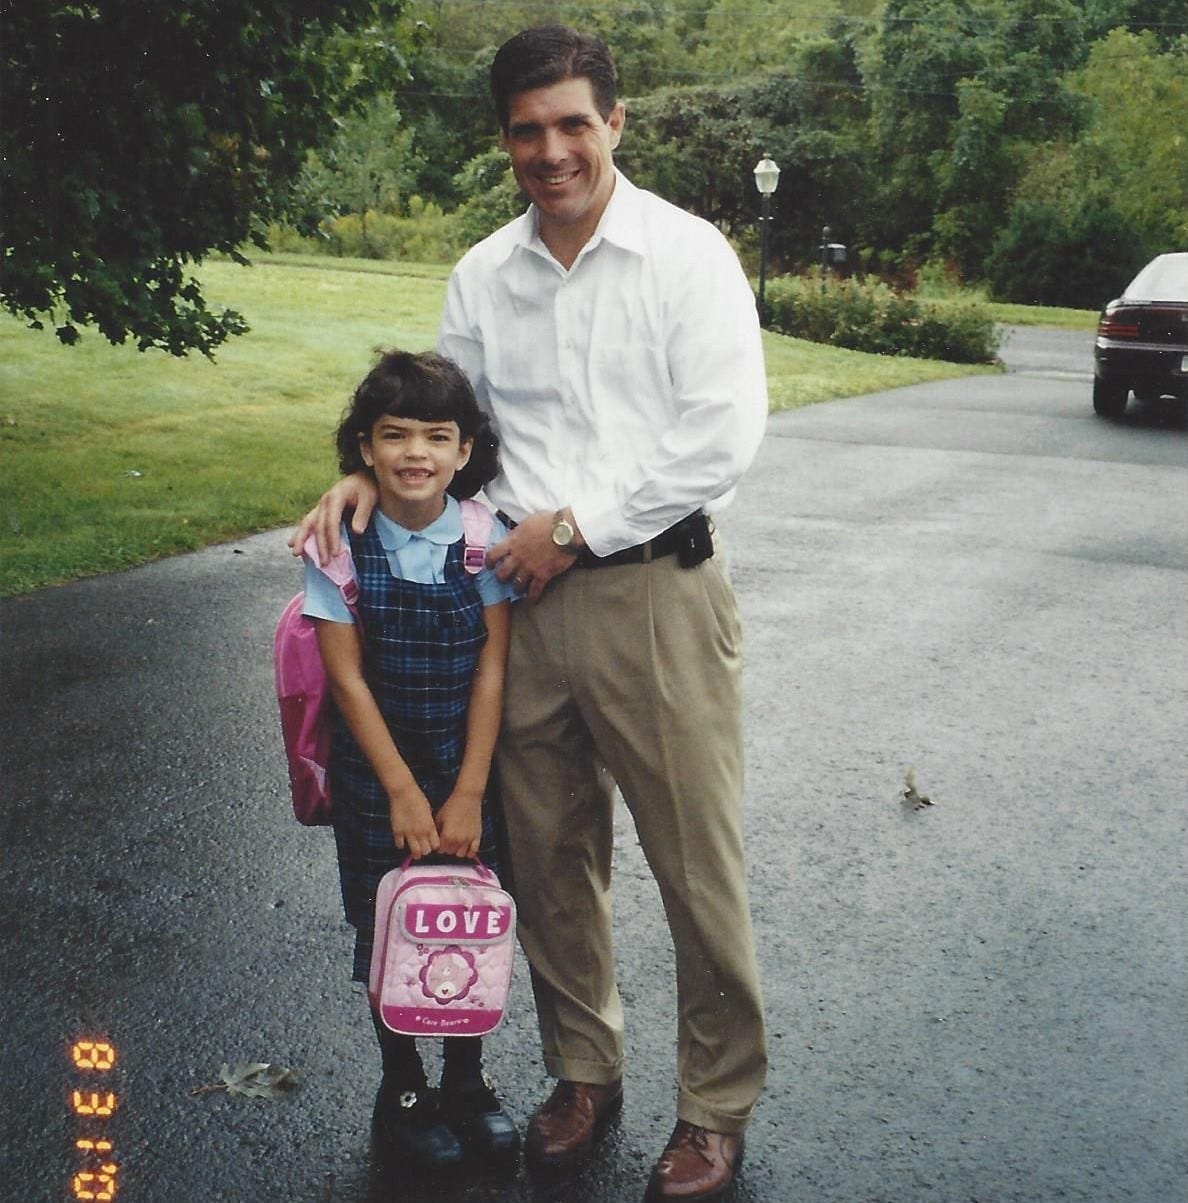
pixel 547 55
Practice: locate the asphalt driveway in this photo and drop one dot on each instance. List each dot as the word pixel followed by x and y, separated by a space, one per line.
pixel 981 1000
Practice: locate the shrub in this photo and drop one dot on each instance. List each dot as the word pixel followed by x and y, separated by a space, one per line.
pixel 425 235
pixel 281 236
pixel 490 194
pixel 867 315
pixel 1079 259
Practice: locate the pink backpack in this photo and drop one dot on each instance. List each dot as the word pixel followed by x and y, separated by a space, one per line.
pixel 301 687
pixel 444 944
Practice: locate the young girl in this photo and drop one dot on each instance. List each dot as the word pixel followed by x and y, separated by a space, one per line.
pixel 418 693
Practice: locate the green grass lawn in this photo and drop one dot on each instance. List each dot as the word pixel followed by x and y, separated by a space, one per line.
pixel 1044 315
pixel 110 457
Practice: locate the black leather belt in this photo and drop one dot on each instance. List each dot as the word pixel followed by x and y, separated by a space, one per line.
pixel 691 539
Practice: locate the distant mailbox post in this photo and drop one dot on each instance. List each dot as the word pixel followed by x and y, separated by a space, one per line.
pixel 834 255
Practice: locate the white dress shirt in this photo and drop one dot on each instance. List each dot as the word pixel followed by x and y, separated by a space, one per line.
pixel 630 387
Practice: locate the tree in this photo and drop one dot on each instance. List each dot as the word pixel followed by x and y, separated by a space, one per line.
pixel 973 177
pixel 911 69
pixel 744 36
pixel 818 121
pixel 1135 147
pixel 1089 210
pixel 694 146
pixel 1166 19
pixel 364 167
pixel 139 136
pixel 491 196
pixel 698 147
pixel 958 91
pixel 1046 255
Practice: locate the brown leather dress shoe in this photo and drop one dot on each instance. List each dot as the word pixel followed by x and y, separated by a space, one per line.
pixel 696 1166
pixel 570 1122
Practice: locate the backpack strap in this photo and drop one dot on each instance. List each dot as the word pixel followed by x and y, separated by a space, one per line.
pixel 476 530
pixel 340 569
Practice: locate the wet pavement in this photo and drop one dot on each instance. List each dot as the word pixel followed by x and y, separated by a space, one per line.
pixel 981 1000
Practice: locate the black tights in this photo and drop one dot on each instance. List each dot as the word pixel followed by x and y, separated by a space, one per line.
pixel 462 1063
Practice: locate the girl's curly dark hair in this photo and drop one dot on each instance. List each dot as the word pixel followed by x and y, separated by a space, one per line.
pixel 428 388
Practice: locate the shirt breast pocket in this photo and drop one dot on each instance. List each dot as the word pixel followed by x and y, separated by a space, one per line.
pixel 632 373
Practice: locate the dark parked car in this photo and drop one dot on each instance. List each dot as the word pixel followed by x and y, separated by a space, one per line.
pixel 1142 338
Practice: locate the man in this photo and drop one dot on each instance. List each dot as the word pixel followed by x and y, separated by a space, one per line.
pixel 614 341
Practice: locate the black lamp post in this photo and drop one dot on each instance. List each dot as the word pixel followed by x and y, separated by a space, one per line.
pixel 767 176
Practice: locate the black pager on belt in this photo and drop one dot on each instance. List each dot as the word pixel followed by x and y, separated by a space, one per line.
pixel 695 540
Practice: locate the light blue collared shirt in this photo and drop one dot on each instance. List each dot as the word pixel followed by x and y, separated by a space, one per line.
pixel 417 556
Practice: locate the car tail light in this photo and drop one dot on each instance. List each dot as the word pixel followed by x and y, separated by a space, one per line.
pixel 1121 324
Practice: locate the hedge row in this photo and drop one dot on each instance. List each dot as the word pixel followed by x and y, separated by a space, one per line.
pixel 867 315
pixel 426 235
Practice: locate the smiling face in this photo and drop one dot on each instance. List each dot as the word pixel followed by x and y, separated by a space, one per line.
pixel 413 462
pixel 561 151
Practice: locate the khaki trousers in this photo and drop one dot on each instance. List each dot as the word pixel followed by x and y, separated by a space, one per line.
pixel 631 675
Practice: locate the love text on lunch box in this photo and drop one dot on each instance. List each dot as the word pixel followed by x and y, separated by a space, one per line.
pixel 455 921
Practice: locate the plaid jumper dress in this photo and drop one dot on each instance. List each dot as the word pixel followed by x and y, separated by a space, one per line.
pixel 421 648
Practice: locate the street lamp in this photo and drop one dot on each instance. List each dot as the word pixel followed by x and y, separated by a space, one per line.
pixel 767 176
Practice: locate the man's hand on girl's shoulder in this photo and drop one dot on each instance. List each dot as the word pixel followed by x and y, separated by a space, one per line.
pixel 324 521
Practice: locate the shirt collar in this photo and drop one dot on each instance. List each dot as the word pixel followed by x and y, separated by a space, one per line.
pixel 444 530
pixel 620 224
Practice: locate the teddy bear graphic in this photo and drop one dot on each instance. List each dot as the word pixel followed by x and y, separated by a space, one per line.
pixel 448 975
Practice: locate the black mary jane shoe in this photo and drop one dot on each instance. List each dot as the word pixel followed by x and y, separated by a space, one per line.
pixel 410 1129
pixel 477 1118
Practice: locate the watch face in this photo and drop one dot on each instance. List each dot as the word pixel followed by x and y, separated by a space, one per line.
pixel 562 533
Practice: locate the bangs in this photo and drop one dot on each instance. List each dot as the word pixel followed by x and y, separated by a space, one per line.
pixel 424 405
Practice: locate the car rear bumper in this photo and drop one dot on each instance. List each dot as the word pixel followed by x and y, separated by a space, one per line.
pixel 1143 367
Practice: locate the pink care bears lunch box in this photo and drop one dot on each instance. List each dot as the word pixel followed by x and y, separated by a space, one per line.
pixel 444 944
